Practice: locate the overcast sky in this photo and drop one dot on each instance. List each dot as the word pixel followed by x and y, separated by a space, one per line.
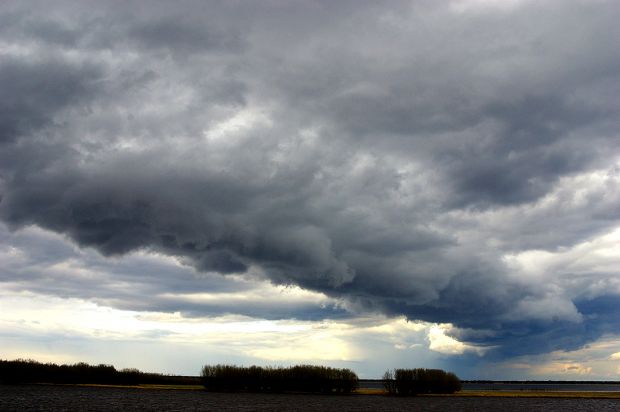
pixel 360 184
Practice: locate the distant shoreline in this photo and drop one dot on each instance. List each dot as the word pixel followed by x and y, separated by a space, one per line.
pixel 524 382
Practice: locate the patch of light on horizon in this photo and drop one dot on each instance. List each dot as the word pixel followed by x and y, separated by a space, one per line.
pixel 593 360
pixel 68 321
pixel 555 368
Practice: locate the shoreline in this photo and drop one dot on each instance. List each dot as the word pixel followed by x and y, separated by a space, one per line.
pixel 374 392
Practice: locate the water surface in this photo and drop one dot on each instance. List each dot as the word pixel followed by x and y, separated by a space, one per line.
pixel 70 398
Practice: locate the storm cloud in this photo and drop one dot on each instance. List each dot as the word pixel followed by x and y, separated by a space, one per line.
pixel 445 161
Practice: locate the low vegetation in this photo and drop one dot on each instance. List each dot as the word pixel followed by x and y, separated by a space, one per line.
pixel 301 378
pixel 407 382
pixel 29 371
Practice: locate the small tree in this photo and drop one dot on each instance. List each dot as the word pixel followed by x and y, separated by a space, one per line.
pixel 388 382
pixel 405 382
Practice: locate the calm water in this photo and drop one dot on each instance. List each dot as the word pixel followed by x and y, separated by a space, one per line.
pixel 59 398
pixel 553 387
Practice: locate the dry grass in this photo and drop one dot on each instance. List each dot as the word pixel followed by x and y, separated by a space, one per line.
pixel 369 391
pixel 144 386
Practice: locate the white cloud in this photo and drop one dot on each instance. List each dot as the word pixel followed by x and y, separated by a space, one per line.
pixel 440 342
pixel 233 128
pixel 465 6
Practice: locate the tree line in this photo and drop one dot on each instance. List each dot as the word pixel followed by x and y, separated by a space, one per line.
pixel 30 371
pixel 300 378
pixel 230 378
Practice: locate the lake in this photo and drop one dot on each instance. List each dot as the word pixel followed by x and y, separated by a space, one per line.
pixel 69 398
pixel 518 386
pixel 542 386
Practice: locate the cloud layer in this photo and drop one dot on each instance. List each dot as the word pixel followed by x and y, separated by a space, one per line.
pixel 453 162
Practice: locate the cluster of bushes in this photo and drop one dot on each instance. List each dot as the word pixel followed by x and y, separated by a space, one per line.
pixel 301 378
pixel 406 382
pixel 29 371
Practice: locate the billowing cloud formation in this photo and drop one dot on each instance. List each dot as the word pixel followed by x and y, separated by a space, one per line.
pixel 446 161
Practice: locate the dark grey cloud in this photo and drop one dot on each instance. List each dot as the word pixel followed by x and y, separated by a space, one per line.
pixel 391 156
pixel 36 90
pixel 42 263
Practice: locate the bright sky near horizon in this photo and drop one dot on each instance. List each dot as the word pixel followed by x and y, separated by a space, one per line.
pixel 357 184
